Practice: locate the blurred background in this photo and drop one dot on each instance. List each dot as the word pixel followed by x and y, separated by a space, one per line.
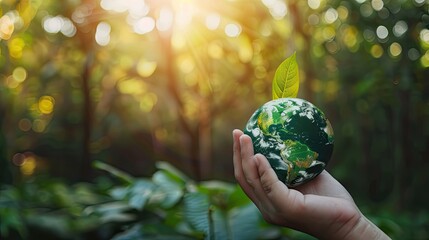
pixel 134 82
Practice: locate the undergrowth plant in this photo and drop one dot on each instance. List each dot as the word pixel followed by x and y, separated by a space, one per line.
pixel 167 205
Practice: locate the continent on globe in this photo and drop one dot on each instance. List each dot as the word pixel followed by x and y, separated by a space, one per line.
pixel 295 137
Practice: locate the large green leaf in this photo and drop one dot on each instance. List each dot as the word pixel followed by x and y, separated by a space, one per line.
pixel 198 212
pixel 140 192
pixel 286 79
pixel 168 192
pixel 218 223
pixel 243 222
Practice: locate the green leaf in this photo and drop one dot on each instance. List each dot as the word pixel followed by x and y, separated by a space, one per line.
pixel 220 225
pixel 56 224
pixel 242 222
pixel 238 198
pixel 107 208
pixel 173 172
pixel 140 193
pixel 119 193
pixel 197 212
pixel 167 192
pixel 217 223
pixel 123 176
pixel 286 79
pixel 110 212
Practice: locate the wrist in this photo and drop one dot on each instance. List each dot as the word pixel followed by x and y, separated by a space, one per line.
pixel 365 229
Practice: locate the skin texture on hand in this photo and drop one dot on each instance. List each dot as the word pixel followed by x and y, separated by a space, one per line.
pixel 322 207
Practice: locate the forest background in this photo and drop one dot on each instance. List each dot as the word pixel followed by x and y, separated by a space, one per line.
pixel 128 86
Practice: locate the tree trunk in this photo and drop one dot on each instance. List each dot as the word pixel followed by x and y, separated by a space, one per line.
pixel 86 165
pixel 205 138
pixel 192 134
pixel 86 35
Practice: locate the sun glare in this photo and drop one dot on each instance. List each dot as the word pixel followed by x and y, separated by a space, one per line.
pixel 170 14
pixel 180 16
pixel 212 21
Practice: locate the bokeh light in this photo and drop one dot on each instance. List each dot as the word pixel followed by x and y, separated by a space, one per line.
pixel 19 74
pixel 366 10
pixel 102 34
pixel 146 68
pixel 165 20
pixel 377 51
pixel 16 46
pixel 424 35
pixel 144 25
pixel 369 35
pixel 131 86
pixel 419 2
pixel 232 30
pixel 313 19
pixel 382 32
pixel 331 15
pixel 377 5
pixel 46 104
pixel 400 28
pixel 277 8
pixel 424 60
pixel 25 125
pixel 395 49
pixel 28 165
pixel 6 27
pixel 413 54
pixel 350 34
pixel 212 21
pixel 314 4
pixel 343 13
pixel 57 24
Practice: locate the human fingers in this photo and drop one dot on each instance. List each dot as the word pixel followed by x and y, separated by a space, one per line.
pixel 248 161
pixel 286 207
pixel 238 168
pixel 269 179
pixel 282 198
pixel 252 177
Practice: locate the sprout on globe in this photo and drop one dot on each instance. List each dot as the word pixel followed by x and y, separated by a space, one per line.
pixel 292 133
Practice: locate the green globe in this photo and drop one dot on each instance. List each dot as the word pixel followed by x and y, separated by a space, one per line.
pixel 295 137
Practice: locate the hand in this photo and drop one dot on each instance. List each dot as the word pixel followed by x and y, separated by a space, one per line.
pixel 321 207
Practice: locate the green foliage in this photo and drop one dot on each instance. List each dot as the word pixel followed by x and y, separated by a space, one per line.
pixel 286 79
pixel 169 205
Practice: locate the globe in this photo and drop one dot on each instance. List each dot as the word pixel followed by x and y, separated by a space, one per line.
pixel 295 137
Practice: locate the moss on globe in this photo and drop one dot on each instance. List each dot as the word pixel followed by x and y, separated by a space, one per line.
pixel 295 137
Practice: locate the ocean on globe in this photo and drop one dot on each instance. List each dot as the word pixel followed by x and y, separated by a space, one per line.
pixel 295 137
